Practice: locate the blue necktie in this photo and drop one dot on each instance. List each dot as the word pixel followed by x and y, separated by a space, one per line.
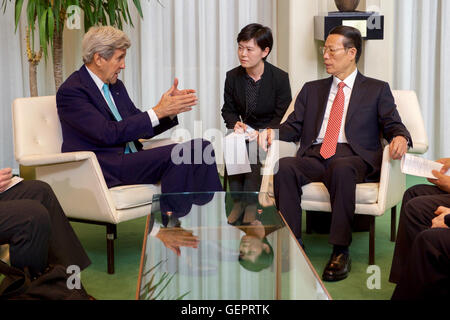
pixel 130 148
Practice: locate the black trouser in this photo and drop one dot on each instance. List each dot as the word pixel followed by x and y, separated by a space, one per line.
pixel 34 225
pixel 418 207
pixel 427 270
pixel 340 174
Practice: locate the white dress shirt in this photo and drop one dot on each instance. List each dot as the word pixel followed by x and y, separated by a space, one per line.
pixel 153 118
pixel 349 83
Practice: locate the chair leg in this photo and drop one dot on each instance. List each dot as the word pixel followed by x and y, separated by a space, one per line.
pixel 393 224
pixel 225 179
pixel 309 222
pixel 372 241
pixel 111 235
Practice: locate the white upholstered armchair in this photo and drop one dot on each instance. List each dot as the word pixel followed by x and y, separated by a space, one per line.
pixel 76 178
pixel 372 199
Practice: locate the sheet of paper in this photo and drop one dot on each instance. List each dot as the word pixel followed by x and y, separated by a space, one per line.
pixel 14 181
pixel 420 167
pixel 236 157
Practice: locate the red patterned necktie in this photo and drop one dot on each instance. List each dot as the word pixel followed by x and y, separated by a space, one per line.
pixel 329 144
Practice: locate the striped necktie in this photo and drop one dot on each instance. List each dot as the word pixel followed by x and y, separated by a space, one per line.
pixel 130 147
pixel 330 141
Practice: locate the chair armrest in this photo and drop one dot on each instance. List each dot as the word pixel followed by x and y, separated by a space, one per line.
pixel 56 158
pixel 278 150
pixel 392 182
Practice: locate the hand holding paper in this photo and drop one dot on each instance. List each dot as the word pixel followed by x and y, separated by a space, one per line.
pixel 420 167
pixel 7 181
pixel 5 178
pixel 446 165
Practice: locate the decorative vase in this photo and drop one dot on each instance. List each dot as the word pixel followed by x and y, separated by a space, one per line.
pixel 346 5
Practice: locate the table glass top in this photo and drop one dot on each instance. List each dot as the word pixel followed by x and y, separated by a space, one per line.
pixel 206 246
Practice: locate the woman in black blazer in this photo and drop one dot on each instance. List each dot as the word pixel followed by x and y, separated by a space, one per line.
pixel 257 95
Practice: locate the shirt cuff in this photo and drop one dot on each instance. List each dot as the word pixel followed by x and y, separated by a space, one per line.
pixel 153 118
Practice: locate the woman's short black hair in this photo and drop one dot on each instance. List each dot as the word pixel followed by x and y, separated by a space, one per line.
pixel 352 37
pixel 262 35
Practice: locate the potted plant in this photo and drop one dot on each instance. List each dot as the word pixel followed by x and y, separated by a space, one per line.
pixel 48 17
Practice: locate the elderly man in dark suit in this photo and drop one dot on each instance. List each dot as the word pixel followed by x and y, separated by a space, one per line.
pixel 339 122
pixel 421 263
pixel 97 115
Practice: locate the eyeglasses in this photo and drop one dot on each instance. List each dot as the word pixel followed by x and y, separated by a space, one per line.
pixel 331 51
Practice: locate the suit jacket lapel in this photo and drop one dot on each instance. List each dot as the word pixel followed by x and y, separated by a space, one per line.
pixel 358 93
pixel 90 85
pixel 323 94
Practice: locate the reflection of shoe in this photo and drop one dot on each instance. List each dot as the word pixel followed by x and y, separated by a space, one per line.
pixel 337 267
pixel 250 214
pixel 236 212
pixel 300 242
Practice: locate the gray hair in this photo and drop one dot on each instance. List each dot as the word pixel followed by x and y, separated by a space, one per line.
pixel 105 41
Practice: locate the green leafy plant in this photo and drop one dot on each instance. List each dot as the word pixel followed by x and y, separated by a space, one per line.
pixel 48 17
pixel 154 288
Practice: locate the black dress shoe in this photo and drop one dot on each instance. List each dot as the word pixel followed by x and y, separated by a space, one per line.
pixel 337 267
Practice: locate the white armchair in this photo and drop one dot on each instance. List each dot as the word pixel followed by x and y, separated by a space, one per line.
pixel 372 199
pixel 76 178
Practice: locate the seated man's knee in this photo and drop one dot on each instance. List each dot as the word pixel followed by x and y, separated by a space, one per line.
pixel 411 193
pixel 285 167
pixel 429 238
pixel 34 215
pixel 39 187
pixel 340 167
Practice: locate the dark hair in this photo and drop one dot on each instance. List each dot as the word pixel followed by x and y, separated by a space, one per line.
pixel 352 37
pixel 262 35
pixel 264 260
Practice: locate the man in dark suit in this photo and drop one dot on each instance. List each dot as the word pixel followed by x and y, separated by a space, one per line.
pixel 339 122
pixel 421 264
pixel 97 115
pixel 34 225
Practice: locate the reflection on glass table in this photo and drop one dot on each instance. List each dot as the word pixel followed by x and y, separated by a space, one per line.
pixel 192 250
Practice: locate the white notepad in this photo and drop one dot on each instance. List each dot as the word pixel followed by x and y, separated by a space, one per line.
pixel 236 156
pixel 420 167
pixel 14 181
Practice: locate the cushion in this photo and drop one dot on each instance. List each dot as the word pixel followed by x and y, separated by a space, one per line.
pixel 127 197
pixel 366 193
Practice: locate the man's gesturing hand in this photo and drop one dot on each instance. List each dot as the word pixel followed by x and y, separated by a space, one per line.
pixel 175 101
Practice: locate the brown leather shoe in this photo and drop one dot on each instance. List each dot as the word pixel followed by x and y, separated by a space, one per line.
pixel 337 267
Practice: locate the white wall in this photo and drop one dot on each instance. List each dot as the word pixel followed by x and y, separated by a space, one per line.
pixel 298 52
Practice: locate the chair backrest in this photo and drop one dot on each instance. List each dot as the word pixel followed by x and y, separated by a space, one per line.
pixel 409 110
pixel 37 129
pixel 290 109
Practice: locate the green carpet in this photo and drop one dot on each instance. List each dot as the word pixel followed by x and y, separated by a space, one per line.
pixel 122 285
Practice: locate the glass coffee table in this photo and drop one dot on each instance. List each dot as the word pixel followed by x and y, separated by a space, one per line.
pixel 196 247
